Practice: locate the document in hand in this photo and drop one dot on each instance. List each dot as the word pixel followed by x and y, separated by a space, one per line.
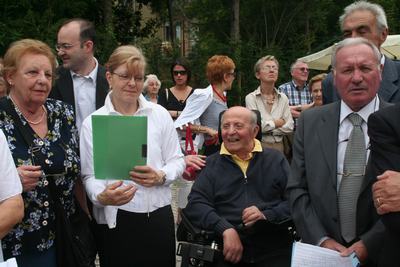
pixel 306 255
pixel 119 144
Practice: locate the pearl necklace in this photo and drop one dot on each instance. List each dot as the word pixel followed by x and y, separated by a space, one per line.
pixel 29 121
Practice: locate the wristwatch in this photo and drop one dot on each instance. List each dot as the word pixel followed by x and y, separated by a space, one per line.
pixel 161 177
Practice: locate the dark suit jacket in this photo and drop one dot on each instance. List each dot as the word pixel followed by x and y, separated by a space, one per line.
pixel 384 132
pixel 389 89
pixel 63 88
pixel 312 185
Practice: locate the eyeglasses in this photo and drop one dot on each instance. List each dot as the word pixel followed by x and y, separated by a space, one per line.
pixel 126 77
pixel 64 47
pixel 268 67
pixel 181 72
pixel 303 69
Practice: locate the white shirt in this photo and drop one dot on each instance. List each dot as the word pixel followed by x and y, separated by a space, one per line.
pixel 345 129
pixel 10 184
pixel 84 94
pixel 163 153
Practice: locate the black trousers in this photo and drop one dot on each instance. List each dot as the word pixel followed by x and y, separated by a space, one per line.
pixel 140 239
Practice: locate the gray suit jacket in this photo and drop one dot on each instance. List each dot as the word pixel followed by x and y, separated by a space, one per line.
pixel 389 89
pixel 312 185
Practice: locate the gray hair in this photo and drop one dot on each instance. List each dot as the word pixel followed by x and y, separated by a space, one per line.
pixel 294 64
pixel 151 77
pixel 375 9
pixel 257 66
pixel 351 42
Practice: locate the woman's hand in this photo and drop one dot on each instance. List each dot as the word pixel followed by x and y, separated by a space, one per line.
pixel 195 161
pixel 116 195
pixel 29 176
pixel 147 176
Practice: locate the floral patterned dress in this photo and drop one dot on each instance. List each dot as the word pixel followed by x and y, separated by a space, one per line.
pixel 36 232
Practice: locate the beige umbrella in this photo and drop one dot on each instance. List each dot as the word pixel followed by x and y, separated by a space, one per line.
pixel 322 59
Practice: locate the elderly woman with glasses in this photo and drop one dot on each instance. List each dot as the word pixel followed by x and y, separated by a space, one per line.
pixel 276 120
pixel 135 216
pixel 42 137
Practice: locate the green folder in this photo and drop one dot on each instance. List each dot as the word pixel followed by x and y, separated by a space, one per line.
pixel 119 144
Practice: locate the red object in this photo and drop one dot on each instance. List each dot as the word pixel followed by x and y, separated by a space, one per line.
pixel 222 97
pixel 190 172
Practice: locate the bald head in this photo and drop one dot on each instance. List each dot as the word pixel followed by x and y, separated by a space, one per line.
pixel 238 129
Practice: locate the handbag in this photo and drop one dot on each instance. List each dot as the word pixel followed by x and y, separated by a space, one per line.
pixel 190 172
pixel 75 244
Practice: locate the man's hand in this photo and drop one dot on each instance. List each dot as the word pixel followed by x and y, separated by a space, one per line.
pixel 146 176
pixel 252 214
pixel 360 250
pixel 233 248
pixel 332 244
pixel 386 192
pixel 116 195
pixel 29 176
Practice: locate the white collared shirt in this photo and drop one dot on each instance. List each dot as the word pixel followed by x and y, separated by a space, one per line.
pixel 84 94
pixel 345 129
pixel 163 153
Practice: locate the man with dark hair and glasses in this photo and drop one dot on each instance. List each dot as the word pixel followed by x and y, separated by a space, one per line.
pixel 81 80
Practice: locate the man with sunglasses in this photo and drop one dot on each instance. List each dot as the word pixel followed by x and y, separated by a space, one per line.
pixel 81 80
pixel 368 20
pixel 297 90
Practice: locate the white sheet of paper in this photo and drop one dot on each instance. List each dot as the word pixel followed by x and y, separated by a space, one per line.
pixel 9 263
pixel 306 255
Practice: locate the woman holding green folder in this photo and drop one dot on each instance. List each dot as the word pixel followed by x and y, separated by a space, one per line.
pixel 135 216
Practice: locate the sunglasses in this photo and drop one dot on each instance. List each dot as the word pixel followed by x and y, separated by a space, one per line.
pixel 303 69
pixel 179 72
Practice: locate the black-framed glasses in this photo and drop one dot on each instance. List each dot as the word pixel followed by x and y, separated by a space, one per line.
pixel 179 72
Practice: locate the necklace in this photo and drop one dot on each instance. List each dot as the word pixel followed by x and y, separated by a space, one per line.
pixel 269 99
pixel 222 97
pixel 29 121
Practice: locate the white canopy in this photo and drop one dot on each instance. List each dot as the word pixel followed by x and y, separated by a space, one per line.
pixel 322 59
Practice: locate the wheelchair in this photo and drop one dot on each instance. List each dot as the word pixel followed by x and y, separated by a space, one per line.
pixel 197 247
pixel 203 248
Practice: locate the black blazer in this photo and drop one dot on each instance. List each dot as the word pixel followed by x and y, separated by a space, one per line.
pixel 389 90
pixel 63 88
pixel 384 132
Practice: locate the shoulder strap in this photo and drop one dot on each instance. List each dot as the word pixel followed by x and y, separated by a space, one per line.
pixel 6 105
pixel 166 94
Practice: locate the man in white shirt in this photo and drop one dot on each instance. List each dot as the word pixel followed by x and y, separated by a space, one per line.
pixel 318 166
pixel 81 80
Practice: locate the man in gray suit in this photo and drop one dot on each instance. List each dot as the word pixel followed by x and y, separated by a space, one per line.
pixel 319 149
pixel 368 20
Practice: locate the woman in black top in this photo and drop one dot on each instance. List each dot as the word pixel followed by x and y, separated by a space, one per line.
pixel 174 98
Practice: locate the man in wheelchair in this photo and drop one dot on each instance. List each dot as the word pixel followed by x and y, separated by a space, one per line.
pixel 240 195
